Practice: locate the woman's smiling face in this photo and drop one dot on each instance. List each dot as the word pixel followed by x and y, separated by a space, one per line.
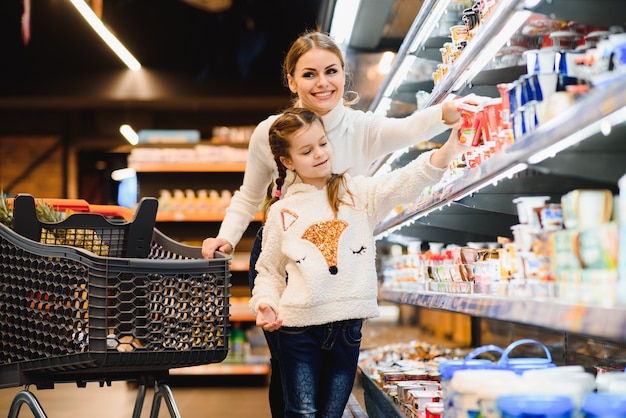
pixel 318 79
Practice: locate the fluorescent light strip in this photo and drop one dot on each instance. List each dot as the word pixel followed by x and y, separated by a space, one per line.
pixel 383 106
pixel 493 181
pixel 384 65
pixel 400 75
pixel 405 223
pixel 412 219
pixel 612 119
pixel 120 50
pixel 429 25
pixel 386 168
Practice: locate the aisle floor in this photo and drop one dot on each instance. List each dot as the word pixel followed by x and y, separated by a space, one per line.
pixel 118 401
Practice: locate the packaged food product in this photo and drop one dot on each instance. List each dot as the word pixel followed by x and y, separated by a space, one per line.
pixel 587 208
pixel 471 124
pixel 458 33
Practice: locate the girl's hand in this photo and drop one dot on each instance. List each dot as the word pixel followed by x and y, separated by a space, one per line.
pixel 450 150
pixel 266 318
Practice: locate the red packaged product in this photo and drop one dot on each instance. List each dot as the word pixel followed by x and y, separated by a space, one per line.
pixel 471 124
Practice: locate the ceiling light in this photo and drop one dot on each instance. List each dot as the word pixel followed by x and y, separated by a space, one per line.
pixel 129 133
pixel 344 17
pixel 123 174
pixel 120 50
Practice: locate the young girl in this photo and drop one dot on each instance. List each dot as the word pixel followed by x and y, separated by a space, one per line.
pixel 320 236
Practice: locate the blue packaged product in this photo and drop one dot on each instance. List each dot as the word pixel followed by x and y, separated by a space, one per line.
pixel 536 406
pixel 605 405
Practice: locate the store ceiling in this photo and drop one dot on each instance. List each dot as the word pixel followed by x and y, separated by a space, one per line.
pixel 201 68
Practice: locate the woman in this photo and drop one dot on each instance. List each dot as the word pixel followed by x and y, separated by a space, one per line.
pixel 314 71
pixel 319 234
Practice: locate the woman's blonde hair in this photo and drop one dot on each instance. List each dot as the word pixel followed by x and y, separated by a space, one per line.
pixel 308 41
pixel 284 128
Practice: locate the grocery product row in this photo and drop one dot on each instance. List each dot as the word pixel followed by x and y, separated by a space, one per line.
pixel 418 379
pixel 196 154
pixel 566 251
pixel 194 201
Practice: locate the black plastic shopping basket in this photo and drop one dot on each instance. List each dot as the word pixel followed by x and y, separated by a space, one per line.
pixel 69 315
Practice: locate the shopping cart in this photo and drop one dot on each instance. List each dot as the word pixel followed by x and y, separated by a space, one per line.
pixel 146 305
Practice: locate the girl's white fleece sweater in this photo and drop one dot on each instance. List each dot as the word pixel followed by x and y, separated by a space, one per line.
pixel 330 262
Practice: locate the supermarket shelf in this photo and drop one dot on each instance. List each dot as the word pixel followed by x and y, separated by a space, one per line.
pixel 239 310
pixel 603 13
pixel 242 317
pixel 588 112
pixel 222 369
pixel 197 217
pixel 604 322
pixel 240 262
pixel 377 402
pixel 182 167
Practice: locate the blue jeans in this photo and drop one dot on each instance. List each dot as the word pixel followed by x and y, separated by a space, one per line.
pixel 277 404
pixel 318 366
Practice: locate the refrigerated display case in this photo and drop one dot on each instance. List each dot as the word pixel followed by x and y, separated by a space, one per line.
pixel 581 146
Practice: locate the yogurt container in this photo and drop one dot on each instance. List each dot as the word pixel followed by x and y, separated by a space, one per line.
pixel 536 406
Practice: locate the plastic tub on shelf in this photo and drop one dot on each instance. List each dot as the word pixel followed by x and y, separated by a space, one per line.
pixel 521 364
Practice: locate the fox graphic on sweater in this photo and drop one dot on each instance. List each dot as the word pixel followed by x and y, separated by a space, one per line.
pixel 330 261
pixel 326 241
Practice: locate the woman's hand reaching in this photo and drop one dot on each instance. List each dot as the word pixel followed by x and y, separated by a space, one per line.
pixel 266 318
pixel 210 245
pixel 450 110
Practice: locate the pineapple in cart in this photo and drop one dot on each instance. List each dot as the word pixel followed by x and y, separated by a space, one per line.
pixel 81 238
pixel 6 215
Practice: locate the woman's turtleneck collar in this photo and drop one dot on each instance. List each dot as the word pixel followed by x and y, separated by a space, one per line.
pixel 333 118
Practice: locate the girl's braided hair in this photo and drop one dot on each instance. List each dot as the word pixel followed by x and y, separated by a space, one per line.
pixel 281 132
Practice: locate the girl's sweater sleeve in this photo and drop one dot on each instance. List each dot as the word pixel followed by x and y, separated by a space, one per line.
pixel 258 174
pixel 271 274
pixel 403 185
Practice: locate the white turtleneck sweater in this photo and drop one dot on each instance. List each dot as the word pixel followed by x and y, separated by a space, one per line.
pixel 358 139
pixel 330 263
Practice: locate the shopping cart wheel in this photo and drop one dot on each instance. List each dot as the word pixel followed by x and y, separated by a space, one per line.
pixel 28 398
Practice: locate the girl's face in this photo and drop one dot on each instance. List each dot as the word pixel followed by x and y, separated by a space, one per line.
pixel 318 80
pixel 310 155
